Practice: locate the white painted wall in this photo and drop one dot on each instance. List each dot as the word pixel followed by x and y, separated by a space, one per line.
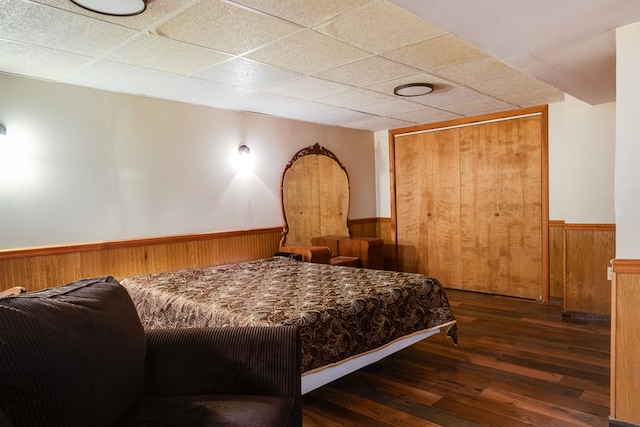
pixel 80 165
pixel 383 184
pixel 627 170
pixel 557 158
pixel 589 162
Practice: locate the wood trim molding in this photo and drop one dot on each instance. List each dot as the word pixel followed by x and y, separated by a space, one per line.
pixel 147 241
pixel 129 243
pixel 590 227
pixel 556 223
pixel 630 266
pixel 542 109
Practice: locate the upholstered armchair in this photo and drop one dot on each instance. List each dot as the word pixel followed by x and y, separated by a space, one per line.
pixel 77 355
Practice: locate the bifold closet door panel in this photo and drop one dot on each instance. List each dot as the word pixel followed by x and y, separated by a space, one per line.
pixel 501 207
pixel 442 169
pixel 428 205
pixel 480 248
pixel 411 202
pixel 521 209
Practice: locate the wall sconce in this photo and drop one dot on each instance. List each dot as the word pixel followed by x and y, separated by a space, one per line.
pixel 3 130
pixel 244 159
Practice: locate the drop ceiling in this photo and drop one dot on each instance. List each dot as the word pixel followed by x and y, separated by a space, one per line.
pixel 332 62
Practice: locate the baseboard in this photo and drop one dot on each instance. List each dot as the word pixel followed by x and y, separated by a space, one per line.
pixel 586 317
pixel 618 423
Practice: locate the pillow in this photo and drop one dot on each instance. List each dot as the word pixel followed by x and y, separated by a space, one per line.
pixel 71 355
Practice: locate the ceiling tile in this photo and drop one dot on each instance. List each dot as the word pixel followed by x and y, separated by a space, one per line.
pixel 164 54
pixel 304 110
pixel 302 12
pixel 509 84
pixel 308 52
pixel 266 55
pixel 59 30
pixel 528 98
pixel 40 62
pixel 342 117
pixel 475 71
pixel 116 77
pixel 378 27
pixel 389 108
pixel 376 123
pixel 307 88
pixel 446 95
pixel 199 92
pixel 437 52
pixel 259 102
pixel 157 11
pixel 208 24
pixel 247 74
pixel 480 106
pixel 428 115
pixel 367 71
pixel 355 98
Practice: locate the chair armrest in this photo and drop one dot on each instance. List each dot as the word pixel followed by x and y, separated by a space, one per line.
pixel 16 290
pixel 317 254
pixel 228 360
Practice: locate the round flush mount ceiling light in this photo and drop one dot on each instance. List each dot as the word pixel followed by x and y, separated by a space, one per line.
pixel 413 89
pixel 113 7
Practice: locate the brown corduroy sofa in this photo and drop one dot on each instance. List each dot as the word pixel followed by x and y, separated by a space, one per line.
pixel 77 355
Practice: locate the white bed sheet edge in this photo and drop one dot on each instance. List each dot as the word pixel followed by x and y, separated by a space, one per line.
pixel 318 377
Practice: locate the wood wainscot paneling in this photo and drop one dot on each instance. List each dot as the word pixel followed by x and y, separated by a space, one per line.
pixel 363 227
pixel 384 232
pixel 589 249
pixel 625 334
pixel 556 260
pixel 40 268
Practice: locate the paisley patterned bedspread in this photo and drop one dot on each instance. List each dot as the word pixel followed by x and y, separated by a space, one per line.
pixel 339 311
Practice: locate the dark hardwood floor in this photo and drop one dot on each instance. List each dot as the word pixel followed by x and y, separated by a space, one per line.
pixel 517 364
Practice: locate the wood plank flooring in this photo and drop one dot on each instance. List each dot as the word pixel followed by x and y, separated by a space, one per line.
pixel 517 364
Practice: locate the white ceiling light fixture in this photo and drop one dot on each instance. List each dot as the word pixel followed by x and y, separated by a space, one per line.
pixel 113 7
pixel 413 89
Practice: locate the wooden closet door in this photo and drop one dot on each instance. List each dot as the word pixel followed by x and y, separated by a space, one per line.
pixel 501 207
pixel 411 202
pixel 442 170
pixel 428 205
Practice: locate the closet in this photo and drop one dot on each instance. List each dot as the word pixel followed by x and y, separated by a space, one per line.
pixel 469 202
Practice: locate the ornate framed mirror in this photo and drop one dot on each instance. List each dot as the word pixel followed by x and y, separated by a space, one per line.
pixel 315 197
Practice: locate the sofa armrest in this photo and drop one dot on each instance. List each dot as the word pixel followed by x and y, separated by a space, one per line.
pixel 228 360
pixel 317 254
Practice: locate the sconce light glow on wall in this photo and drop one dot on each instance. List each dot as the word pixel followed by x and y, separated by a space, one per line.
pixel 244 159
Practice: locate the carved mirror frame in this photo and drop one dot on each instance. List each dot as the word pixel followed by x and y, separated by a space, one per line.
pixel 314 196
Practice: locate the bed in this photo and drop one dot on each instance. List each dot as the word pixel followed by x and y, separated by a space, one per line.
pixel 347 317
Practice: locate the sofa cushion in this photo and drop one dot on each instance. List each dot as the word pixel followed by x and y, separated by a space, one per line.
pixel 211 410
pixel 71 356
